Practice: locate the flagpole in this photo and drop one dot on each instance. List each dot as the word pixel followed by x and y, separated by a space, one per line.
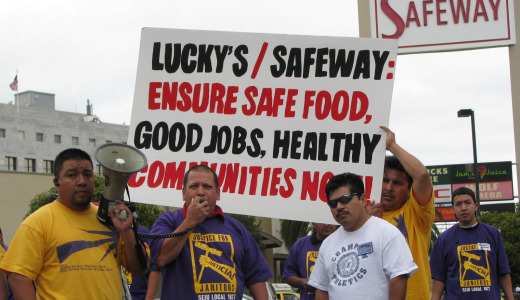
pixel 16 95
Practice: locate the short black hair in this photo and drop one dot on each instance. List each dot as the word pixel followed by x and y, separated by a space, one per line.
pixel 463 191
pixel 69 154
pixel 200 168
pixel 346 179
pixel 391 162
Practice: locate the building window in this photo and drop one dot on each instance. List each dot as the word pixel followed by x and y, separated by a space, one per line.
pixel 57 139
pixel 49 166
pixel 11 163
pixel 92 142
pixel 2 133
pixel 75 140
pixel 21 135
pixel 30 165
pixel 39 136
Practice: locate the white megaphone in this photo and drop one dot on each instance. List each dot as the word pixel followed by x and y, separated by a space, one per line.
pixel 119 162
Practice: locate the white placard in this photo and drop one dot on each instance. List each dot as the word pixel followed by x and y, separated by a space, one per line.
pixel 274 115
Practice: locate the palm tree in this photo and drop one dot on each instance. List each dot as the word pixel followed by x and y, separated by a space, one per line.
pixel 291 231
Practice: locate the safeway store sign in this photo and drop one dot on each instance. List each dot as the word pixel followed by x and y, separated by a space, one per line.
pixel 443 25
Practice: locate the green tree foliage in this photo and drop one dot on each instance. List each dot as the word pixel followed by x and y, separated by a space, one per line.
pixel 253 225
pixel 147 213
pixel 508 223
pixel 40 200
pixel 291 231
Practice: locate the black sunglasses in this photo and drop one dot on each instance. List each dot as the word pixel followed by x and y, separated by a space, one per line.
pixel 343 199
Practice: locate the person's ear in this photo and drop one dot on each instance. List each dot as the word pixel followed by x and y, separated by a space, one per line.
pixel 56 183
pixel 364 199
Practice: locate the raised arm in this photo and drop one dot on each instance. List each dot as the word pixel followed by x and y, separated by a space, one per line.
pixel 422 185
pixel 124 228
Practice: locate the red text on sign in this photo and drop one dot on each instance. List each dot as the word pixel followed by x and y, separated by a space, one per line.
pixel 201 97
pixel 337 106
pixel 269 102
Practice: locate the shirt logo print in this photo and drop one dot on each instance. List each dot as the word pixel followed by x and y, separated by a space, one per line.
pixel 312 256
pixel 401 225
pixel 474 266
pixel 348 265
pixel 66 250
pixel 212 261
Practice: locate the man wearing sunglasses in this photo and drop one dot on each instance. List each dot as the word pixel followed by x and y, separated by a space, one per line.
pixel 407 202
pixel 367 258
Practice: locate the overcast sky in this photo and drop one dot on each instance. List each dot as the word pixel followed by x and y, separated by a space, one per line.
pixel 81 50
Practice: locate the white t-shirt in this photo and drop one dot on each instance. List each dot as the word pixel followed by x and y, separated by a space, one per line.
pixel 361 264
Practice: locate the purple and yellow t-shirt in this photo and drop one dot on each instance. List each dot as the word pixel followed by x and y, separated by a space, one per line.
pixel 301 260
pixel 220 258
pixel 469 262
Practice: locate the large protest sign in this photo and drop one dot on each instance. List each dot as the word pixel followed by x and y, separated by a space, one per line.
pixel 274 115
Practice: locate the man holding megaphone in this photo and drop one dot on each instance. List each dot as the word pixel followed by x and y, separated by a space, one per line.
pixel 63 247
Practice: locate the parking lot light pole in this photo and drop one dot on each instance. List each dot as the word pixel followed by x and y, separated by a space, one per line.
pixel 469 113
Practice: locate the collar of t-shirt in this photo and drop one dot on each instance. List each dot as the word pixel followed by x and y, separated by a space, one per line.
pixel 218 213
pixel 470 228
pixel 314 238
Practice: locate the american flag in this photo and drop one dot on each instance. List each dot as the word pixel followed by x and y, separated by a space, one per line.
pixel 14 84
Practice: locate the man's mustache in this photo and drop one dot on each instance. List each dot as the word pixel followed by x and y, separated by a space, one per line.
pixel 341 212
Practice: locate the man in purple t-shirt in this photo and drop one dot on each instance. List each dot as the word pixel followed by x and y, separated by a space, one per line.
pixel 302 257
pixel 217 258
pixel 468 261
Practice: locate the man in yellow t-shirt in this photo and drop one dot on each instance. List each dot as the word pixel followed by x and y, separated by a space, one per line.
pixel 407 202
pixel 64 249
